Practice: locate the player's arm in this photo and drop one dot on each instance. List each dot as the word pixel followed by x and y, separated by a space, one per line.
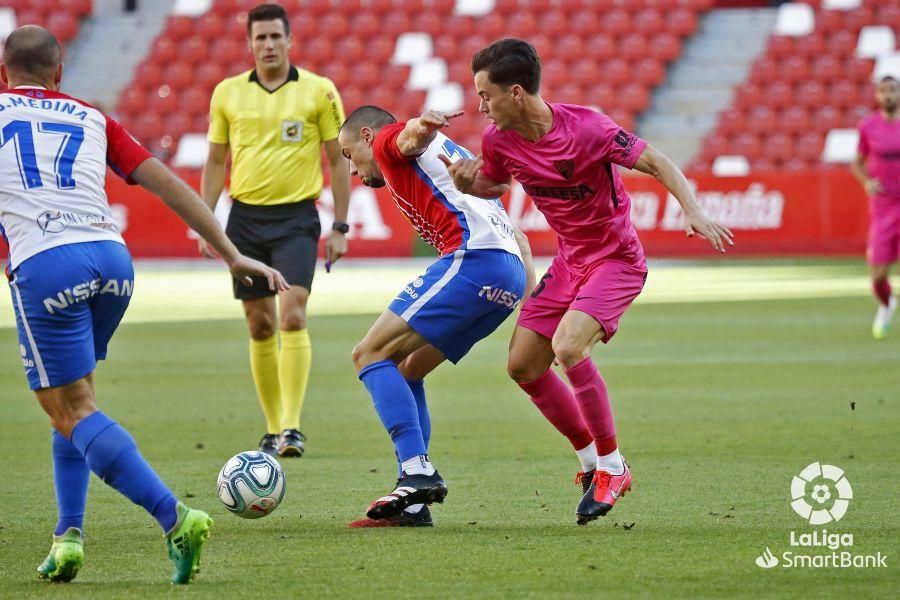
pixel 858 168
pixel 212 182
pixel 657 164
pixel 420 132
pixel 156 178
pixel 469 179
pixel 525 251
pixel 336 246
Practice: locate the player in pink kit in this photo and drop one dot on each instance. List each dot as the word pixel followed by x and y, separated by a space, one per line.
pixel 564 156
pixel 877 167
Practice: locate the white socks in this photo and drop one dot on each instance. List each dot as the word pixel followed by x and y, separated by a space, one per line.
pixel 417 465
pixel 588 457
pixel 611 463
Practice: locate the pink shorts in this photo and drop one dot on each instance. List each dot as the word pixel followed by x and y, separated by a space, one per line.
pixel 884 236
pixel 605 292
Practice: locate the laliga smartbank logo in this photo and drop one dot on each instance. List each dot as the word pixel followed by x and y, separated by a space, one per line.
pixel 820 494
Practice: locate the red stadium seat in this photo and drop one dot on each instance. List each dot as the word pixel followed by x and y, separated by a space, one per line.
pixel 522 24
pixel 635 98
pixel 623 118
pixel 394 77
pixel 761 120
pixel 178 27
pixel 649 72
pixel 193 50
pixel 793 68
pixel 829 21
pixel 380 49
pixel 178 75
pixel 794 120
pixel 746 144
pixel 585 24
pixel 460 72
pixel 856 19
pixel 714 145
pixel 811 94
pixel 617 20
pixel 842 43
pixel 555 74
pixel 195 100
pixel 470 46
pixel 395 23
pixel 350 49
pixel 600 47
pixel 600 94
pixel 149 75
pixel 748 95
pixel 809 146
pixel 633 46
pixel 363 25
pixel 334 24
pixel 428 22
pixel 681 21
pixel 209 25
pixel 648 21
pixel 730 122
pixel 554 23
pixel 827 68
pixel 208 75
pixel 364 75
pixel 132 101
pixel 320 48
pixel 843 94
pixel 826 118
pixel 810 46
pixel 353 98
pixel 889 15
pixel 779 94
pixel 853 115
pixel 569 49
pixel 63 25
pixel 665 47
pixel 763 69
pixel 227 50
pixel 337 72
pixel 781 46
pixel 763 165
pixel 584 72
pixel 859 69
pixel 567 94
pixel 177 124
pixel 446 47
pixel 616 71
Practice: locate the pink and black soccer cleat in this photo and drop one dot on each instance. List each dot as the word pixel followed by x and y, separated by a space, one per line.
pixel 602 494
pixel 585 478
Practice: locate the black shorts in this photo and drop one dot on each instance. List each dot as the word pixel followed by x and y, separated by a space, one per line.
pixel 283 236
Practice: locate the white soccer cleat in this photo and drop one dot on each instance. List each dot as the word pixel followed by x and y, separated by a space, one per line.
pixel 883 317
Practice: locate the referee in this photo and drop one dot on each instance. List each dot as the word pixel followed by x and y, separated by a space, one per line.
pixel 273 121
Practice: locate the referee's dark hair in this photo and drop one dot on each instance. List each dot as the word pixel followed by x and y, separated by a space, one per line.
pixel 268 12
pixel 32 50
pixel 510 61
pixel 367 116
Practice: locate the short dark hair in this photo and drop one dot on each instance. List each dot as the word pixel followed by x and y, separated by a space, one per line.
pixel 367 116
pixel 33 50
pixel 510 61
pixel 267 12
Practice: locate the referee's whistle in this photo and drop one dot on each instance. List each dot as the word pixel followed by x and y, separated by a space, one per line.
pixel 328 266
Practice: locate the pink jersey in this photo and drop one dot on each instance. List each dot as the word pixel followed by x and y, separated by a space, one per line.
pixel 570 174
pixel 879 144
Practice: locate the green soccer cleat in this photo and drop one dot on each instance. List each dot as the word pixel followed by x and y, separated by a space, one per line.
pixel 65 558
pixel 185 542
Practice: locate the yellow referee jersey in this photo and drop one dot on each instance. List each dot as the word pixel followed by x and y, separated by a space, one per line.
pixel 275 137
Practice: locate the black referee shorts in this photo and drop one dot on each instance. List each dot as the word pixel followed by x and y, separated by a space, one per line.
pixel 283 236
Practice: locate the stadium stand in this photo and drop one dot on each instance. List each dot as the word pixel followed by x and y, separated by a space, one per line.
pixel 402 54
pixel 61 17
pixel 813 82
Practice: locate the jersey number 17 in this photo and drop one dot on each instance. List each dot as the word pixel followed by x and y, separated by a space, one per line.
pixel 20 133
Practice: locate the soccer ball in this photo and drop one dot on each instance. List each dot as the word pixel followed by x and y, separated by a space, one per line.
pixel 251 484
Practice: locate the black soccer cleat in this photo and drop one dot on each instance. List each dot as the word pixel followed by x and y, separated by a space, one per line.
pixel 584 478
pixel 403 519
pixel 292 443
pixel 411 489
pixel 269 444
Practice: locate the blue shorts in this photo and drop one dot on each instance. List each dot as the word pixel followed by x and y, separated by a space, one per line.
pixel 68 302
pixel 462 298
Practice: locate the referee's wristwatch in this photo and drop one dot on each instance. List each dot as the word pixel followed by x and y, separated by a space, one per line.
pixel 340 226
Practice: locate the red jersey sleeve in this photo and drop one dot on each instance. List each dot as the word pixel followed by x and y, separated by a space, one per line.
pixel 493 167
pixel 123 153
pixel 615 144
pixel 385 145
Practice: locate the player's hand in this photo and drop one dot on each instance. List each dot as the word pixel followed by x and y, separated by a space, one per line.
pixel 335 247
pixel 243 269
pixel 873 187
pixel 717 235
pixel 205 249
pixel 432 120
pixel 464 171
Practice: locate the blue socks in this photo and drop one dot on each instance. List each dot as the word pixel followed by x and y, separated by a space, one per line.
pixel 396 406
pixel 111 453
pixel 417 387
pixel 70 477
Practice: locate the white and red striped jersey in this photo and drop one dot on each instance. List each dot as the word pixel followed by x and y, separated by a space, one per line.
pixel 54 150
pixel 424 192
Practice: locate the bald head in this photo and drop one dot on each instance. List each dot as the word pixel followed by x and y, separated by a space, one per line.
pixel 32 54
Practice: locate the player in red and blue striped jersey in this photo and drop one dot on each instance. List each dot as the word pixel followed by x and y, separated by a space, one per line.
pixel 483 272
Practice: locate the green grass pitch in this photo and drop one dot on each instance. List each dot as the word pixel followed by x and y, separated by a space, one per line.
pixel 727 379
